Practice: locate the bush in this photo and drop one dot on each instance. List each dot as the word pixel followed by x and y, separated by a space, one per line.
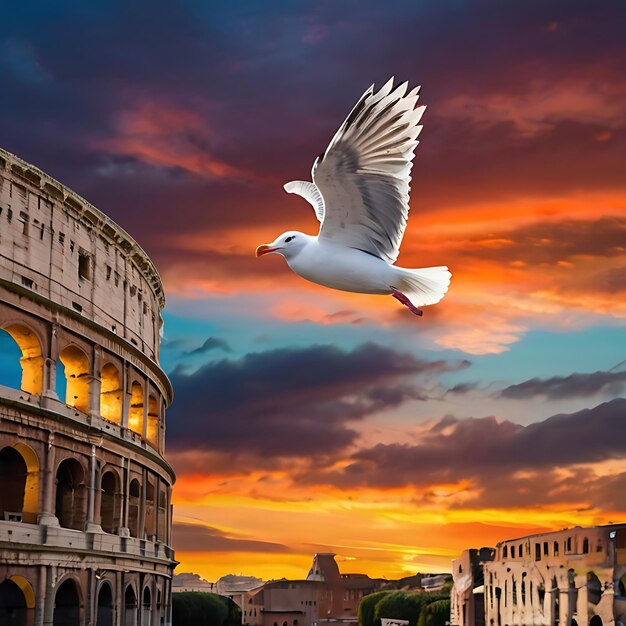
pixel 436 613
pixel 204 609
pixel 367 606
pixel 405 605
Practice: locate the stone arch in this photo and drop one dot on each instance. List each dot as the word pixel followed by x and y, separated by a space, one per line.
pixel 594 588
pixel 110 502
pixel 15 607
pixel 31 361
pixel 556 617
pixel 146 606
pixel 130 606
pixel 152 426
pixel 622 585
pixel 76 369
pixel 104 615
pixel 111 393
pixel 134 495
pixel 137 408
pixel 71 494
pixel 585 546
pixel 162 514
pixel 67 604
pixel 596 620
pixel 19 483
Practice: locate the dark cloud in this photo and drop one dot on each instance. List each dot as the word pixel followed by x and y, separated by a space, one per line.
pixel 266 105
pixel 572 386
pixel 210 344
pixel 550 242
pixel 478 449
pixel 293 401
pixel 200 538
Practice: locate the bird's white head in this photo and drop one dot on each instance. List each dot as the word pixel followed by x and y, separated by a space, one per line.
pixel 288 244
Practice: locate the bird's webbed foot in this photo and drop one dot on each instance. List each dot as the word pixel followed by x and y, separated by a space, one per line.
pixel 398 295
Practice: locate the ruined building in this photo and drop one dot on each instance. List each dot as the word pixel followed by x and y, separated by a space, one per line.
pixel 574 577
pixel 85 513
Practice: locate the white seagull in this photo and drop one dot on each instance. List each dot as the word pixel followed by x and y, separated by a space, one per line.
pixel 360 193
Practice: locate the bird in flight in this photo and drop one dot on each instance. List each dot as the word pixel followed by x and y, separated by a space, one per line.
pixel 360 193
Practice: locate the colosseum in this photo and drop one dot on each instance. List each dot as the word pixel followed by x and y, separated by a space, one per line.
pixel 85 492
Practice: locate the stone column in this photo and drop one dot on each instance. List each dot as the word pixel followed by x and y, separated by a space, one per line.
pixel 40 594
pixel 48 619
pixel 92 526
pixel 47 515
pixel 95 382
pixel 50 364
pixel 142 505
pixel 125 495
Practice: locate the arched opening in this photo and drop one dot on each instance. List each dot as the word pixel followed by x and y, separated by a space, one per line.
pixel 19 484
pixel 30 357
pixel 594 588
pixel 71 496
pixel 76 373
pixel 109 503
pixel 150 528
pixel 146 607
pixel 152 427
pixel 133 507
pixel 622 585
pixel 572 589
pixel 104 616
pixel 596 620
pixel 585 546
pixel 67 605
pixel 12 484
pixel 10 355
pixel 15 608
pixel 111 394
pixel 573 622
pixel 135 415
pixel 130 607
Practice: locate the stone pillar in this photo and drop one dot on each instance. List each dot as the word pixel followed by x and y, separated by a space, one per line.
pixel 142 506
pixel 40 595
pixel 50 364
pixel 47 515
pixel 92 526
pixel 125 495
pixel 48 619
pixel 126 396
pixel 95 382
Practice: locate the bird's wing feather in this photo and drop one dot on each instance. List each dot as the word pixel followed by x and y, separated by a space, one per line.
pixel 310 193
pixel 365 173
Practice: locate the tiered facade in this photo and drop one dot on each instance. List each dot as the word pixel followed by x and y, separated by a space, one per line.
pixel 85 493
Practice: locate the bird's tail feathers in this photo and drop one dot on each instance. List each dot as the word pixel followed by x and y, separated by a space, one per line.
pixel 424 286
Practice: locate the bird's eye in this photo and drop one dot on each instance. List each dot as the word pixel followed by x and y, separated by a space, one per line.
pixel 289 238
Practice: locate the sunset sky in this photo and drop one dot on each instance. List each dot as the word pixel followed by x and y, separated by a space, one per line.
pixel 311 420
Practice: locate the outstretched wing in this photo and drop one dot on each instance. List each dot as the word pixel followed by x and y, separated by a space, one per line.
pixel 310 193
pixel 365 173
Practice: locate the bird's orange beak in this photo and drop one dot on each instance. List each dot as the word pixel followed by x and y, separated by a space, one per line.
pixel 264 249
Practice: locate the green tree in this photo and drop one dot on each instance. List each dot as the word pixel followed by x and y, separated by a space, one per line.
pixel 404 605
pixel 204 609
pixel 367 606
pixel 436 613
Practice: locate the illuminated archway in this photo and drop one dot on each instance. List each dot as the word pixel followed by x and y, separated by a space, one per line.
pixel 111 394
pixel 152 427
pixel 31 361
pixel 76 370
pixel 17 602
pixel 19 483
pixel 136 413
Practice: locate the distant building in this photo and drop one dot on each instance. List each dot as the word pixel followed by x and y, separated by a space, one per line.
pixel 434 582
pixel 186 581
pixel 573 577
pixel 325 596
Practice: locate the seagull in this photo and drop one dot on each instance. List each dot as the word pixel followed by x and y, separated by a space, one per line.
pixel 360 194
